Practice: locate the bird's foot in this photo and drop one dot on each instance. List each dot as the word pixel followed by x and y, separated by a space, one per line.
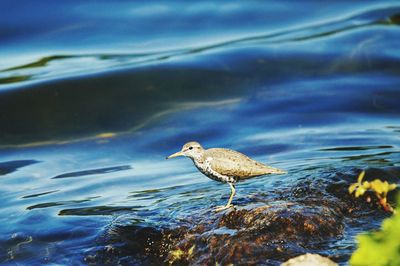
pixel 221 208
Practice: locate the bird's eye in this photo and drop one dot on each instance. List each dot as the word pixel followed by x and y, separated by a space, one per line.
pixel 190 148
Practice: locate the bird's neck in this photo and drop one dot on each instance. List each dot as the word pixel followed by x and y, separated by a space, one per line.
pixel 198 158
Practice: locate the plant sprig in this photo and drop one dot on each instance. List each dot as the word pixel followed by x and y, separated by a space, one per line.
pixel 381 189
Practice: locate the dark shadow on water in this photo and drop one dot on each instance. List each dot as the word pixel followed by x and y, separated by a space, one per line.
pixel 371 155
pixel 94 171
pixel 358 148
pixel 109 103
pixel 97 210
pixel 39 194
pixel 12 166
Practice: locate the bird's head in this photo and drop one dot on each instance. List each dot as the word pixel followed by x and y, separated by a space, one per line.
pixel 191 149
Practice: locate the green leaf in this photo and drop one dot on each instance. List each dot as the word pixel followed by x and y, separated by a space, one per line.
pixel 381 247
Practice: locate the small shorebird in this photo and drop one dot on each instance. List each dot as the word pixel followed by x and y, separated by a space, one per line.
pixel 224 165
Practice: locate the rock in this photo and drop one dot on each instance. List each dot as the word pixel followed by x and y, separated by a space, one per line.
pixel 253 236
pixel 316 214
pixel 242 236
pixel 309 260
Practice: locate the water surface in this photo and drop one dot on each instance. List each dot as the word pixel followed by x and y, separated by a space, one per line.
pixel 94 95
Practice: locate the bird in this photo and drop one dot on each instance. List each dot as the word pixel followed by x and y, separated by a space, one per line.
pixel 224 165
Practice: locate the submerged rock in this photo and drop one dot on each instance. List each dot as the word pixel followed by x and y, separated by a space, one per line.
pixel 260 235
pixel 309 216
pixel 257 236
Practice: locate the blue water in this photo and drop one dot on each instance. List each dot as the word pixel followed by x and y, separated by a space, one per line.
pixel 95 94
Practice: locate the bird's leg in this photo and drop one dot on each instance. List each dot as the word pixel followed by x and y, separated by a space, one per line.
pixel 233 192
pixel 228 205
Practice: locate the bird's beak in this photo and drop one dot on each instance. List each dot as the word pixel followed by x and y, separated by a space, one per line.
pixel 176 154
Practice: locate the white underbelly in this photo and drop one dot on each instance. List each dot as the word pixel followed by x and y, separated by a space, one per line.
pixel 206 169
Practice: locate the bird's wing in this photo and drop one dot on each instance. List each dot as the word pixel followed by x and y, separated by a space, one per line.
pixel 235 164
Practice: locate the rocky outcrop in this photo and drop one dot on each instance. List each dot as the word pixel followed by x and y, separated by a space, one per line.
pixel 311 215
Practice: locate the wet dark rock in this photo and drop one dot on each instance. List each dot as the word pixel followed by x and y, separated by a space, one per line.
pixel 257 235
pixel 308 216
pixel 135 244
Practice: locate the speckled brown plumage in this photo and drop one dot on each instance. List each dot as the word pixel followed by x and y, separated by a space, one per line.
pixel 224 165
pixel 237 165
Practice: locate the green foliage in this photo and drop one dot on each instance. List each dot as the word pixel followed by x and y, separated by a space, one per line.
pixel 381 247
pixel 381 188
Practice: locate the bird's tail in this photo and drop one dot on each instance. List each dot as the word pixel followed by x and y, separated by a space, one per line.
pixel 272 170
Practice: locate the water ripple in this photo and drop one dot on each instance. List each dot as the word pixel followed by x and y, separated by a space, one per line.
pixel 94 171
pixel 56 66
pixel 60 203
pixel 39 194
